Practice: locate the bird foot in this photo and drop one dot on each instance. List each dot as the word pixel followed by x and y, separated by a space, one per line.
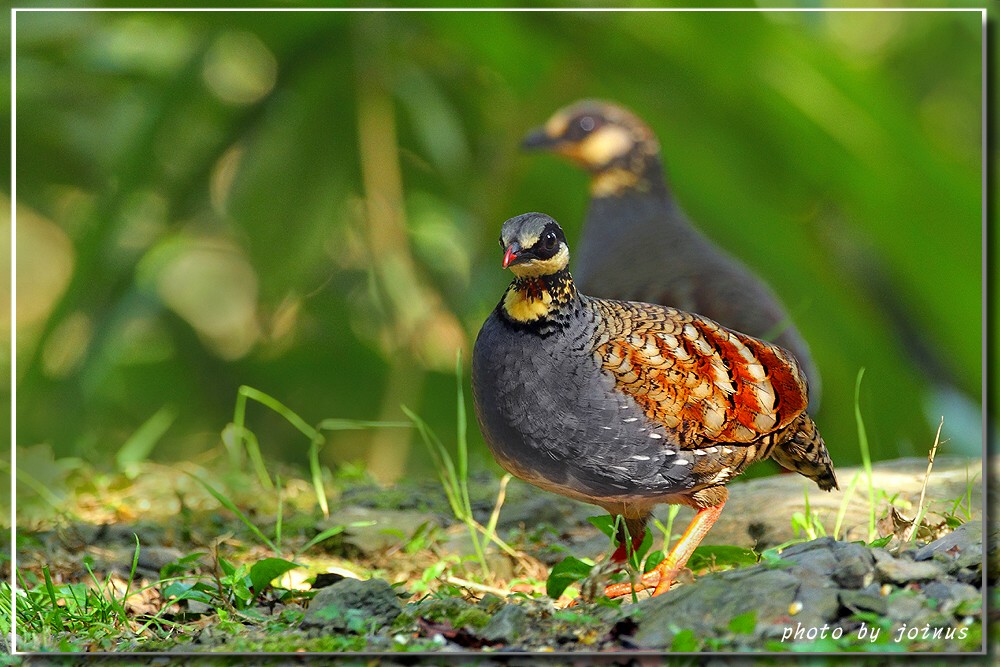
pixel 659 580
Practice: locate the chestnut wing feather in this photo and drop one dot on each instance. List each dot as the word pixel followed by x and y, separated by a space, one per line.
pixel 701 381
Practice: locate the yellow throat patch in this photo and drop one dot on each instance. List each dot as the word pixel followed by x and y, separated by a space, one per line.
pixel 523 306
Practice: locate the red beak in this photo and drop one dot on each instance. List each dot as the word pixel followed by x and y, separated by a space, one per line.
pixel 510 254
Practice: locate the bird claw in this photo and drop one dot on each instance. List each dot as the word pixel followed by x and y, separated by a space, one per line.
pixel 659 581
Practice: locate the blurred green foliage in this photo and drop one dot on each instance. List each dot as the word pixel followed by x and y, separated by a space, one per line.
pixel 308 203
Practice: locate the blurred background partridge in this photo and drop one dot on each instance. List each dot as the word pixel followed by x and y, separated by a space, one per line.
pixel 638 244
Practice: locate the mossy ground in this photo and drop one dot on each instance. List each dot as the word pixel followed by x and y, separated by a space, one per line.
pixel 449 602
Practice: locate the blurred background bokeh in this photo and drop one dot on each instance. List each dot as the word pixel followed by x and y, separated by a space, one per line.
pixel 308 203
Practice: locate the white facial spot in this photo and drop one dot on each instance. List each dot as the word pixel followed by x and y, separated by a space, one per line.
pixel 604 145
pixel 556 126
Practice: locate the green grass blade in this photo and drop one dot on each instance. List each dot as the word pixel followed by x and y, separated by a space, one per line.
pixel 461 441
pixel 277 406
pixel 256 459
pixel 842 511
pixel 50 590
pixel 231 506
pixel 866 458
pixel 456 487
pixel 330 532
pixel 280 517
pixel 132 569
pixel 142 441
pixel 358 425
pixel 333 424
pixel 235 439
pixel 668 529
pixel 442 463
pixel 250 440
pixel 316 475
pixel 106 595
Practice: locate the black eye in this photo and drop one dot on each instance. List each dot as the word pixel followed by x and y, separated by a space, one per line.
pixel 549 240
pixel 587 123
pixel 501 243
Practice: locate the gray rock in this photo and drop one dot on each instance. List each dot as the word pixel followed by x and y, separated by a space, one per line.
pixel 154 558
pixel 906 607
pixel 864 601
pixel 389 527
pixel 947 590
pixel 819 604
pixel 713 601
pixel 818 561
pixel 881 555
pixel 901 571
pixel 354 606
pixel 972 557
pixel 968 575
pixel 855 565
pixel 963 547
pixel 545 509
pixel 197 608
pixel 853 574
pixel 968 535
pixel 819 543
pixel 506 626
pixel 951 595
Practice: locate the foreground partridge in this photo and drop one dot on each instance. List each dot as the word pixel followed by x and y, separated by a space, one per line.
pixel 627 405
pixel 672 263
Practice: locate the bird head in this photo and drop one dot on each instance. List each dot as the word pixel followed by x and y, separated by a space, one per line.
pixel 533 245
pixel 596 135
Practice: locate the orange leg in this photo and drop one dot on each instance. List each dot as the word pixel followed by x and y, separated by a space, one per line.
pixel 667 570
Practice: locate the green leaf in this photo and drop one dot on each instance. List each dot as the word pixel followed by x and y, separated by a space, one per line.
pixel 772 560
pixel 635 558
pixel 182 564
pixel 227 568
pixel 263 572
pixel 180 590
pixel 241 593
pixel 880 542
pixel 744 624
pixel 655 558
pixel 684 642
pixel 721 556
pixel 604 523
pixel 566 572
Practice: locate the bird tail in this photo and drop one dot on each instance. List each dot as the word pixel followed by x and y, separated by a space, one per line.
pixel 803 451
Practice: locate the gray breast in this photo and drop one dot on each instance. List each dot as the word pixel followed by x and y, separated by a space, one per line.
pixel 552 416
